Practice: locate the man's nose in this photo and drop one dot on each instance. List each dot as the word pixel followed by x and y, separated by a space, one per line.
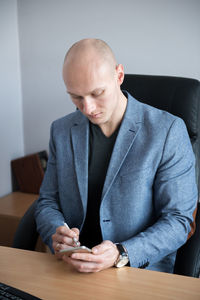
pixel 89 106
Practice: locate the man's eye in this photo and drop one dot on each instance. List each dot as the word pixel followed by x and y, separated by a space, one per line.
pixel 77 97
pixel 97 94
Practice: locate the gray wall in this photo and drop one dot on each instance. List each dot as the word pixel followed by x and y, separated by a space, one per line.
pixel 11 131
pixel 147 36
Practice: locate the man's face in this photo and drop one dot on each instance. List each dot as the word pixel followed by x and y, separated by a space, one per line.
pixel 95 90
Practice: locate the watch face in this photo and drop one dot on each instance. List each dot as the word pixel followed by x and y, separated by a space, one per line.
pixel 122 261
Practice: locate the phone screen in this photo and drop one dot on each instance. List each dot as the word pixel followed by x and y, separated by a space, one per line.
pixel 81 249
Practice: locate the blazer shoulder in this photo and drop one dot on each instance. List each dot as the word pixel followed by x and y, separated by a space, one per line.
pixel 150 115
pixel 68 121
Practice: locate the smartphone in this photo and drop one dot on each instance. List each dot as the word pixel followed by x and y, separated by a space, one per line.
pixel 81 249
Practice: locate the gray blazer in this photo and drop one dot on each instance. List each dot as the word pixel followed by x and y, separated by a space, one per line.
pixel 149 194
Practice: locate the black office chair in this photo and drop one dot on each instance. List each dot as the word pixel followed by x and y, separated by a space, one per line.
pixel 181 97
pixel 26 235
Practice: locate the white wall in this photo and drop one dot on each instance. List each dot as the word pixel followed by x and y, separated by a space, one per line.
pixel 11 132
pixel 148 37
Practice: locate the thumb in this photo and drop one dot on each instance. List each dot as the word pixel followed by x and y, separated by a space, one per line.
pixel 101 248
pixel 76 230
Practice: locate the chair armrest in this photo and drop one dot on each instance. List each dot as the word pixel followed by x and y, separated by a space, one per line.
pixel 188 256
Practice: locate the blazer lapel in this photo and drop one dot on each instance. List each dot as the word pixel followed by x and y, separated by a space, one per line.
pixel 80 143
pixel 124 141
pixel 80 136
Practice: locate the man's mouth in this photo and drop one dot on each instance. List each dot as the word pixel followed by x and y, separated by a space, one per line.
pixel 95 116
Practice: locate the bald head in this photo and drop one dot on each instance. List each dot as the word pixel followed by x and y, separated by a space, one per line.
pixel 93 79
pixel 90 49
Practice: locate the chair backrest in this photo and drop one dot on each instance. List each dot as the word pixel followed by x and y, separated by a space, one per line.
pixel 179 96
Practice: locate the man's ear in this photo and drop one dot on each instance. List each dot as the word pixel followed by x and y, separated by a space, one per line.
pixel 120 74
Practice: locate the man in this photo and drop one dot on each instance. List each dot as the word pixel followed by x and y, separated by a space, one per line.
pixel 120 173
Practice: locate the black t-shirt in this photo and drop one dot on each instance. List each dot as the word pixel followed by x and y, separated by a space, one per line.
pixel 100 150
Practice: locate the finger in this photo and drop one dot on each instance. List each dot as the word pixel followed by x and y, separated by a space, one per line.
pixel 65 236
pixel 56 237
pixel 104 246
pixel 87 257
pixel 76 230
pixel 61 239
pixel 59 243
pixel 72 233
pixel 76 238
pixel 82 266
pixel 59 246
pixel 87 262
pixel 58 254
pixel 55 242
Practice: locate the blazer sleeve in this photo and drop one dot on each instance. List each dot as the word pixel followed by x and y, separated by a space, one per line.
pixel 175 200
pixel 48 214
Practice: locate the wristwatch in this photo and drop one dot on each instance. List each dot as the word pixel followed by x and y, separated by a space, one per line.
pixel 123 259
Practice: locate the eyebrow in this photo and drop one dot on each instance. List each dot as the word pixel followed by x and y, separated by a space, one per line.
pixel 100 88
pixel 71 94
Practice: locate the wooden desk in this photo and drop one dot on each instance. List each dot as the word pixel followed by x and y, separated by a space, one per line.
pixel 42 275
pixel 12 209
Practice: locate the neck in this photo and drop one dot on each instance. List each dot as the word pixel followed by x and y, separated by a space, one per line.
pixel 110 127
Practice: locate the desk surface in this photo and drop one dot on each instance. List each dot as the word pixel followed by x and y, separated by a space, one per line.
pixel 42 275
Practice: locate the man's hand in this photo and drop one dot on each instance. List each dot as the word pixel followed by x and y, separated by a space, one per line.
pixel 103 256
pixel 63 239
